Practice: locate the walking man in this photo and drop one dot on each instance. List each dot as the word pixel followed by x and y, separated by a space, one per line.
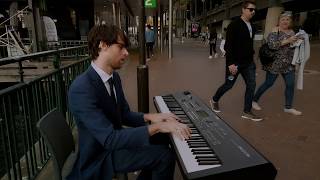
pixel 239 60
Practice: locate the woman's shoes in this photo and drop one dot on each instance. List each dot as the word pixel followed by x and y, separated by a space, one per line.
pixel 292 111
pixel 256 106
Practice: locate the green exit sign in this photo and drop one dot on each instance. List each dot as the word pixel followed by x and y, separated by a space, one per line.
pixel 150 3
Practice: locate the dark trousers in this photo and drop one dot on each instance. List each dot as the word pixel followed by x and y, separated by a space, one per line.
pixel 288 78
pixel 248 74
pixel 212 47
pixel 156 162
pixel 149 48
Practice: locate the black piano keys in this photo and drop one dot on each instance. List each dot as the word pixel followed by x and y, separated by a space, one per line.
pixel 204 155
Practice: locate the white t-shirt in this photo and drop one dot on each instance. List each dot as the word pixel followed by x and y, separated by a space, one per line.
pixel 249 27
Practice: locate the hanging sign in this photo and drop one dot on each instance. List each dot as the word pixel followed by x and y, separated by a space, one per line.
pixel 150 3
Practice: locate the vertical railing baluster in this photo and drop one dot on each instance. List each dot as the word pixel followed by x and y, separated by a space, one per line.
pixel 9 140
pixel 26 143
pixel 21 72
pixel 5 141
pixel 31 138
pixel 31 106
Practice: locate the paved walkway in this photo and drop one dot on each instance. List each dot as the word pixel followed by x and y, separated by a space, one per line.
pixel 292 143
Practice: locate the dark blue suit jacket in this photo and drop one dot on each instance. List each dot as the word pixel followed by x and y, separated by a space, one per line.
pixel 97 121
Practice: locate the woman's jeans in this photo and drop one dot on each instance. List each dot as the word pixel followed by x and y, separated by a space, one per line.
pixel 289 79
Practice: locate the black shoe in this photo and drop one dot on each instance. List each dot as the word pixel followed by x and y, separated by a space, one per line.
pixel 251 116
pixel 214 106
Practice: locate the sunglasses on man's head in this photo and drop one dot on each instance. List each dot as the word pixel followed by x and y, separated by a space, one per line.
pixel 251 9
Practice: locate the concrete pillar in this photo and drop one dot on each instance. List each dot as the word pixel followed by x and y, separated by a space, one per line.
pixel 155 29
pixel 119 15
pixel 12 12
pixel 195 8
pixel 225 24
pixel 303 16
pixel 272 19
pixel 161 28
pixel 114 14
pixel 170 29
pixel 31 26
pixel 42 45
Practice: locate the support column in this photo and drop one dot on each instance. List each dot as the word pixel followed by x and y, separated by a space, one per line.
pixel 42 45
pixel 271 19
pixel 155 30
pixel 119 14
pixel 12 11
pixel 195 8
pixel 225 24
pixel 114 14
pixel 31 26
pixel 142 69
pixel 127 23
pixel 170 30
pixel 302 18
pixel 161 28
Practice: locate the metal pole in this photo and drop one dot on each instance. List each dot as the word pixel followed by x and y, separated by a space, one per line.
pixel 142 69
pixel 170 29
pixel 119 14
pixel 114 14
pixel 161 28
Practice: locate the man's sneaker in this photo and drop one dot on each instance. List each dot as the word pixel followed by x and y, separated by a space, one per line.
pixel 251 116
pixel 216 55
pixel 293 111
pixel 214 106
pixel 256 106
pixel 210 57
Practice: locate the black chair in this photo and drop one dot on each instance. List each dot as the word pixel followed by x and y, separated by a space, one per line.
pixel 59 140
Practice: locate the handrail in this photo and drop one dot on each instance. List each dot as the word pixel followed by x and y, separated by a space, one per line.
pixel 9 60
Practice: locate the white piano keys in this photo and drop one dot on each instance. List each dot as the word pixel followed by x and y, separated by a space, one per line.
pixel 188 158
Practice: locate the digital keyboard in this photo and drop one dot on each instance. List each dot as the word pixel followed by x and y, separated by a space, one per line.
pixel 215 150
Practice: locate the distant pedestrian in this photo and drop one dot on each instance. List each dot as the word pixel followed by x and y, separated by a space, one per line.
pixel 239 60
pixel 167 38
pixel 213 43
pixel 280 40
pixel 149 41
pixel 223 42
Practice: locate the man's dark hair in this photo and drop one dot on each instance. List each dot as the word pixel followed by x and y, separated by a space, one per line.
pixel 108 34
pixel 245 4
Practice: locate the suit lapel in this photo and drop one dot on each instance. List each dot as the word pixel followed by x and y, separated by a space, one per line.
pixel 104 98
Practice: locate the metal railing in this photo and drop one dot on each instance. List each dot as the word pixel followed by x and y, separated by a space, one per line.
pixel 51 45
pixel 54 56
pixel 65 43
pixel 22 151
